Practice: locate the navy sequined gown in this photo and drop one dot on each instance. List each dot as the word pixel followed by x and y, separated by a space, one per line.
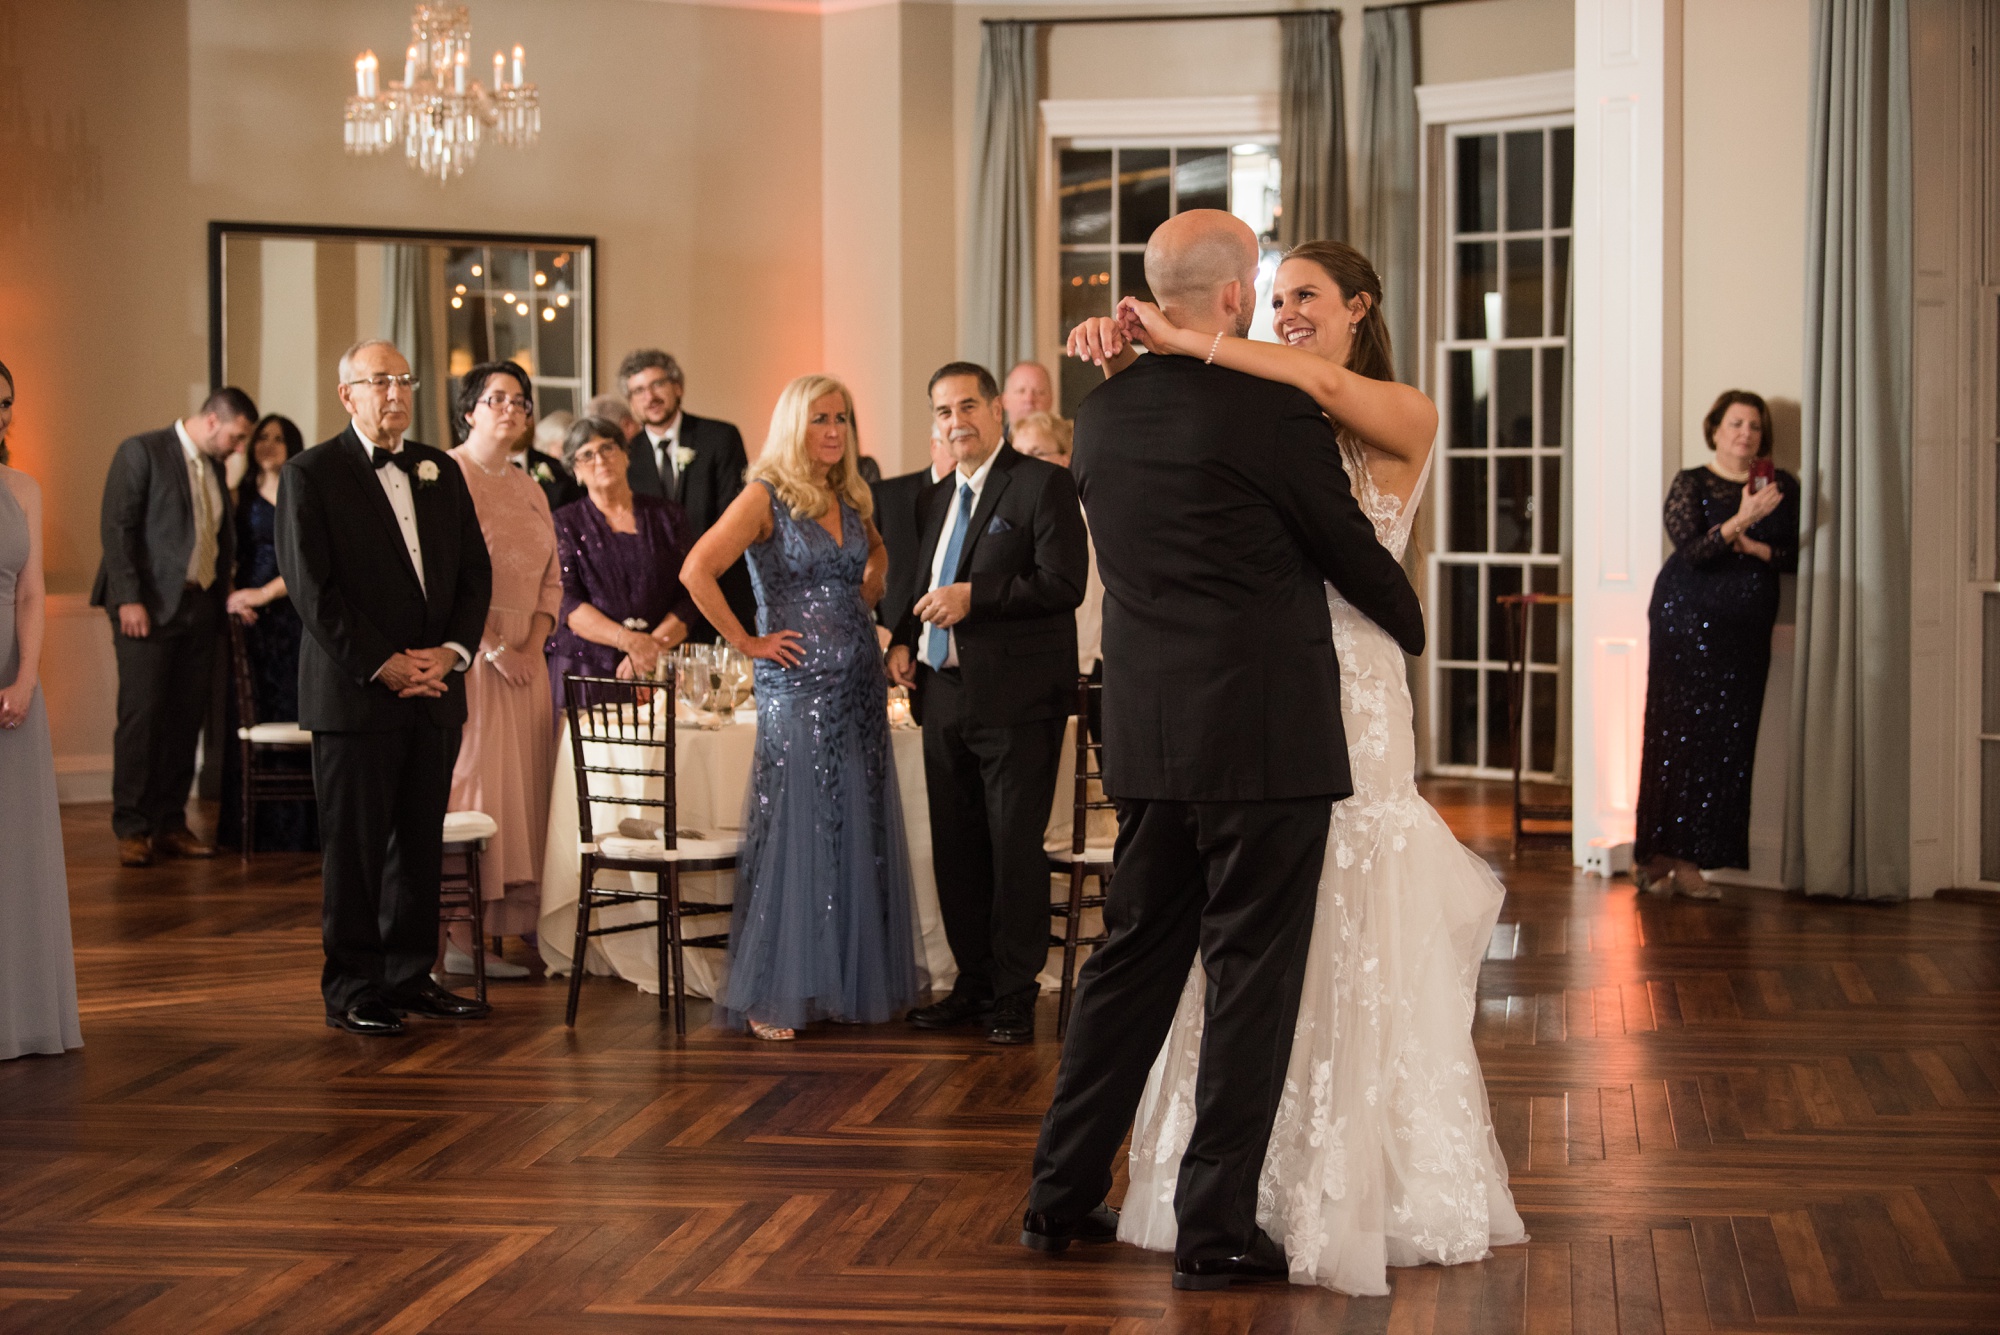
pixel 1711 615
pixel 822 927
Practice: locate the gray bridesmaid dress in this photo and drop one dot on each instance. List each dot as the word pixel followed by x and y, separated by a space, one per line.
pixel 37 970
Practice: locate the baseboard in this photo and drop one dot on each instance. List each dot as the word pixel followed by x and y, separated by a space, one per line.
pixel 83 779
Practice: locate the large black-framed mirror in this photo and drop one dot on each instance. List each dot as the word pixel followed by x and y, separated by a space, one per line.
pixel 286 299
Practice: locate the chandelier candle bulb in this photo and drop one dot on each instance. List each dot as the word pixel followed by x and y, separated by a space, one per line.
pixel 458 74
pixel 520 65
pixel 410 69
pixel 499 71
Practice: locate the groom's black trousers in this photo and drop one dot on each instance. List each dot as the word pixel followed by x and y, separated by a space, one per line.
pixel 1238 881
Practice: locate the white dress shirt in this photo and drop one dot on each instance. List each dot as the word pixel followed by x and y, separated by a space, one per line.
pixel 203 491
pixel 939 575
pixel 396 486
pixel 663 445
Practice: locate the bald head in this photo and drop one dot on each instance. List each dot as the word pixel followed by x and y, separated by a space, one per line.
pixel 1202 265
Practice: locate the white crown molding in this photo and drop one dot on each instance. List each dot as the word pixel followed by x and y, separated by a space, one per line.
pixel 1167 119
pixel 1497 99
pixel 1163 9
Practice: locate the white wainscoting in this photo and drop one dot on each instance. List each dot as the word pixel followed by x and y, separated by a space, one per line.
pixel 80 686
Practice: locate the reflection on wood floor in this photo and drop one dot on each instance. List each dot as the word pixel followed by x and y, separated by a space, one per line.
pixel 1758 1114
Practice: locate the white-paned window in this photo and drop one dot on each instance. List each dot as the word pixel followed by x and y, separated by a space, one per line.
pixel 1497 487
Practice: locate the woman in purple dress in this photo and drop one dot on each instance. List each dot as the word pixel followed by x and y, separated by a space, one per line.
pixel 622 600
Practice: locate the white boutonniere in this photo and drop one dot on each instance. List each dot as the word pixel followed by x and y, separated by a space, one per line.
pixel 683 456
pixel 427 472
pixel 542 473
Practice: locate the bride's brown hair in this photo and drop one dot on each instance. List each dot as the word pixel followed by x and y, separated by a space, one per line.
pixel 1369 354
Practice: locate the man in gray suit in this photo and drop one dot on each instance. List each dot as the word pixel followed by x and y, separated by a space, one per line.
pixel 168 551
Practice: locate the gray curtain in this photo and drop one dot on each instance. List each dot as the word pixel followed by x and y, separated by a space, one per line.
pixel 407 322
pixel 1312 131
pixel 1847 827
pixel 998 326
pixel 1389 133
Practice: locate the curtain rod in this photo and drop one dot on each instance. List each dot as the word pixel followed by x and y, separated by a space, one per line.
pixel 1204 17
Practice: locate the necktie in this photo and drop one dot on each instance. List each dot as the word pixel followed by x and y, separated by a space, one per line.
pixel 400 458
pixel 937 644
pixel 204 526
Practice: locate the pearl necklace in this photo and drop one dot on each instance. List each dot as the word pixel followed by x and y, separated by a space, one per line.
pixel 503 470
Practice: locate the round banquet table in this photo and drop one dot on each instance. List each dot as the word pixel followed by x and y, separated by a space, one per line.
pixel 712 781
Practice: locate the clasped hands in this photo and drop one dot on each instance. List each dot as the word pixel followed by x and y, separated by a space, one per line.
pixel 942 607
pixel 1137 324
pixel 418 673
pixel 1753 507
pixel 643 650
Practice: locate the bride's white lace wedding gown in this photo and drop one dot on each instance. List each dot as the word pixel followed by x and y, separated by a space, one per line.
pixel 1383 1152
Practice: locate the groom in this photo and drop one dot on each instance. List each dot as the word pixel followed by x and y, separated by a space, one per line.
pixel 1220 509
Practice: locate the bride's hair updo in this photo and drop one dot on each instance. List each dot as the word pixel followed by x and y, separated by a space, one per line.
pixel 1370 353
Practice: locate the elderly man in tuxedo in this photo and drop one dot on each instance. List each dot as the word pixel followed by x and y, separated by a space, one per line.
pixel 990 648
pixel 168 550
pixel 382 555
pixel 898 518
pixel 696 462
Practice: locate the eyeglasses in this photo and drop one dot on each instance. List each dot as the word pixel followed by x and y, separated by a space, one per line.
pixel 498 401
pixel 382 384
pixel 587 455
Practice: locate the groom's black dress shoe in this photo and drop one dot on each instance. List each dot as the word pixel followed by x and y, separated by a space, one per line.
pixel 1265 1260
pixel 427 999
pixel 1046 1233
pixel 956 1009
pixel 369 1017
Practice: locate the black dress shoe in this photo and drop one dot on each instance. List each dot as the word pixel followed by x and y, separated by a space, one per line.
pixel 957 1009
pixel 369 1016
pixel 1046 1233
pixel 1264 1261
pixel 1013 1019
pixel 426 998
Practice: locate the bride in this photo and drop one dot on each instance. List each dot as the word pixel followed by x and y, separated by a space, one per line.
pixel 1383 1150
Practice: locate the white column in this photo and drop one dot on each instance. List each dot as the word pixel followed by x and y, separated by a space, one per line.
pixel 1626 346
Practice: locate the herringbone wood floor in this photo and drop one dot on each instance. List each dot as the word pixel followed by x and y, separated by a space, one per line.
pixel 1763 1114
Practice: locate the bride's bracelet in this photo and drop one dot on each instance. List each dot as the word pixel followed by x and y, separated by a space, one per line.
pixel 1210 359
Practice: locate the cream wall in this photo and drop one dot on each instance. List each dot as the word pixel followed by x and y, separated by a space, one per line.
pixel 1745 82
pixel 685 138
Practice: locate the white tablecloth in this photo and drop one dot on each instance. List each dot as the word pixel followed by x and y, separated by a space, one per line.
pixel 712 778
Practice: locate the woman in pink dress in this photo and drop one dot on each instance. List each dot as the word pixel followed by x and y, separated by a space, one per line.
pixel 508 754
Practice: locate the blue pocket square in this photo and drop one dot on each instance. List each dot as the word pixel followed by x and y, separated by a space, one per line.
pixel 999 525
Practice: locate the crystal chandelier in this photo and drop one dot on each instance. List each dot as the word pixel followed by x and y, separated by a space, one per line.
pixel 437 112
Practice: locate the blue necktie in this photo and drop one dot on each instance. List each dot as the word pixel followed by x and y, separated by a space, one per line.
pixel 937 644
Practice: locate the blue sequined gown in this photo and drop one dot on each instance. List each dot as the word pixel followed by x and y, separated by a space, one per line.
pixel 822 927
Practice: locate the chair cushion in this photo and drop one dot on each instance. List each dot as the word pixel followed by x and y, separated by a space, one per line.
pixel 1060 852
pixel 466 827
pixel 655 850
pixel 275 734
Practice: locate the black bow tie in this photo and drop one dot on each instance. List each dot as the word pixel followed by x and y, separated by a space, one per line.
pixel 400 458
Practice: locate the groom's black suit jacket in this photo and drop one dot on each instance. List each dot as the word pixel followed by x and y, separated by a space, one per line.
pixel 1218 506
pixel 349 575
